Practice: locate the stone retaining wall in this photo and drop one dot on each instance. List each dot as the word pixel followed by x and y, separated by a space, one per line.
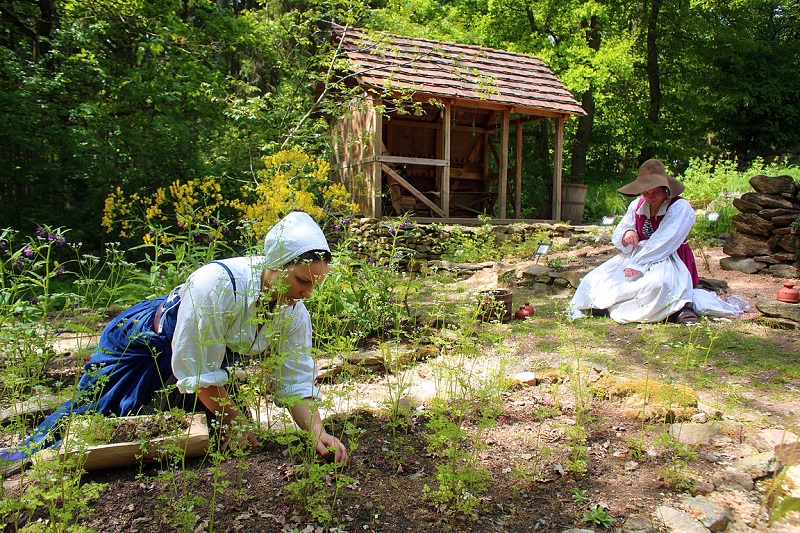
pixel 766 239
pixel 419 244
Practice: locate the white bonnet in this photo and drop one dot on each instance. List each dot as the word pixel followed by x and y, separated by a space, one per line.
pixel 291 237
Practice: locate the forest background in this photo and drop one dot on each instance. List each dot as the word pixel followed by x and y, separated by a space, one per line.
pixel 131 99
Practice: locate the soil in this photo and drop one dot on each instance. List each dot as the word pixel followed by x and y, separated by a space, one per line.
pixel 148 428
pixel 526 454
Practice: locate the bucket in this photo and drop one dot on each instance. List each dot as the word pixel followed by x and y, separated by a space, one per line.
pixel 573 201
pixel 495 305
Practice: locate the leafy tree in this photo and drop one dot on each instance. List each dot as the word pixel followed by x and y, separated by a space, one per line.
pixel 753 66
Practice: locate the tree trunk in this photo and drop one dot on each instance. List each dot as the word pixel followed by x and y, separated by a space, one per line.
pixel 654 110
pixel 580 147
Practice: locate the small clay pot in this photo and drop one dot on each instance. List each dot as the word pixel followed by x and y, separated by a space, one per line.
pixel 524 311
pixel 788 293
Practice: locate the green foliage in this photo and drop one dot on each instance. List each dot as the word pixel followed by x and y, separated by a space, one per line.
pixel 361 296
pixel 787 505
pixel 707 179
pixel 580 495
pixel 598 516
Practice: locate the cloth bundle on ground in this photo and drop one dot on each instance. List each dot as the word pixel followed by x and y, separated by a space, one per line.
pixel 184 337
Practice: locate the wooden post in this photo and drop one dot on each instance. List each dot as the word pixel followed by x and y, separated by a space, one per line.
pixel 446 157
pixel 503 190
pixel 518 175
pixel 377 149
pixel 558 153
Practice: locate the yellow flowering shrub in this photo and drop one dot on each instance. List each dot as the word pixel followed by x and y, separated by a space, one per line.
pixel 290 180
pixel 185 205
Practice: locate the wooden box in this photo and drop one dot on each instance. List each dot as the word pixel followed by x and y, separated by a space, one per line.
pixel 194 442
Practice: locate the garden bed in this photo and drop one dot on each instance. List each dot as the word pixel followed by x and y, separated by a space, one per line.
pixel 131 440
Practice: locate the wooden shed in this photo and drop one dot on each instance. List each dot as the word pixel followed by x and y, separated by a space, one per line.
pixel 420 137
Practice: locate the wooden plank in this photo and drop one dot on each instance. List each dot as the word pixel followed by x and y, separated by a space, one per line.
pixel 410 188
pixel 494 153
pixel 377 146
pixel 518 174
pixel 446 157
pixel 558 153
pixel 408 123
pixel 503 188
pixel 193 442
pixel 396 159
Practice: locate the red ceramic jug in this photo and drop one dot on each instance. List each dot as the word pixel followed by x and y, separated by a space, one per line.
pixel 788 293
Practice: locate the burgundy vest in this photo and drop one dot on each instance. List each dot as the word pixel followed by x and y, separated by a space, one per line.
pixel 684 250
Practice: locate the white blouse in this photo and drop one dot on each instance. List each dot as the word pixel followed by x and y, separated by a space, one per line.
pixel 671 233
pixel 212 318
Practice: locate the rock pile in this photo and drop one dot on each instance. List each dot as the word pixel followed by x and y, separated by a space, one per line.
pixel 766 239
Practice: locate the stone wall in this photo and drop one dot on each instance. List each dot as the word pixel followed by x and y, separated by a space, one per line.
pixel 766 239
pixel 419 244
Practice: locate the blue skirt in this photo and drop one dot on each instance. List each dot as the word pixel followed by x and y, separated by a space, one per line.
pixel 130 364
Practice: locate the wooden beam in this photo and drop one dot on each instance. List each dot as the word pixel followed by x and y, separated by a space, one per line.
pixel 421 96
pixel 503 189
pixel 410 188
pixel 517 122
pixel 558 154
pixel 395 159
pixel 446 157
pixel 476 146
pixel 377 147
pixel 494 152
pixel 518 174
pixel 486 143
pixel 421 124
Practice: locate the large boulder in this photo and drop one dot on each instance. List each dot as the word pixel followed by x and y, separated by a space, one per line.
pixel 776 309
pixel 785 242
pixel 747 265
pixel 752 224
pixel 770 213
pixel 774 184
pixel 744 245
pixel 746 207
pixel 768 202
pixel 783 221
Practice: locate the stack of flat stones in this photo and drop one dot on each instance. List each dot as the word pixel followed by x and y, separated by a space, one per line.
pixel 767 233
pixel 766 241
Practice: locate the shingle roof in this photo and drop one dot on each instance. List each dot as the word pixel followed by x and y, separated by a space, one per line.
pixel 448 70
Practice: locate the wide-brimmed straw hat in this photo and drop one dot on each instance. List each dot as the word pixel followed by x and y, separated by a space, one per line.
pixel 652 174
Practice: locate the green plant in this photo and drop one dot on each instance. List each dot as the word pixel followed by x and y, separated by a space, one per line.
pixel 636 447
pixel 598 516
pixel 362 296
pixel 580 495
pixel 477 244
pixel 55 485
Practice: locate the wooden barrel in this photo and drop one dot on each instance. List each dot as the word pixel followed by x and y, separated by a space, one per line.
pixel 496 304
pixel 573 201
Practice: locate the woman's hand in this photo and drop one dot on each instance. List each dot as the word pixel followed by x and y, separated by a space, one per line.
pixel 630 272
pixel 238 431
pixel 307 417
pixel 630 238
pixel 234 424
pixel 327 441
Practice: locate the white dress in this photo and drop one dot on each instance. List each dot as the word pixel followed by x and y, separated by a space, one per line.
pixel 664 285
